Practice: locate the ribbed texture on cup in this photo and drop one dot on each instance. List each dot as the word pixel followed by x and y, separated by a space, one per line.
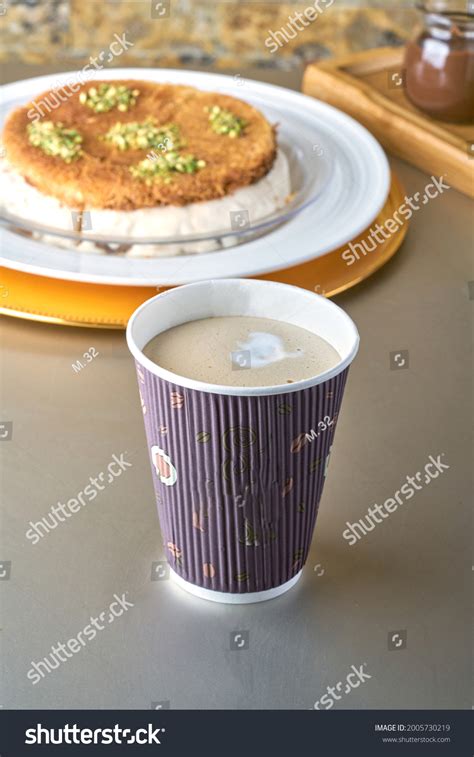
pixel 237 481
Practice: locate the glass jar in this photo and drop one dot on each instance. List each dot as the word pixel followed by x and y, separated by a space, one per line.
pixel 439 61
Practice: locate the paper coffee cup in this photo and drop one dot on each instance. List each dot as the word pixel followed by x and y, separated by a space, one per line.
pixel 238 472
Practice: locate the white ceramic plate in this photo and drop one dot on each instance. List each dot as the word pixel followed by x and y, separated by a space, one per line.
pixel 330 143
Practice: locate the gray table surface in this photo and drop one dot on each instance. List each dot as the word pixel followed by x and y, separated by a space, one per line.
pixel 411 575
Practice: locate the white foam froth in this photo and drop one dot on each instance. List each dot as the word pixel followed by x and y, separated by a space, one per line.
pixel 265 349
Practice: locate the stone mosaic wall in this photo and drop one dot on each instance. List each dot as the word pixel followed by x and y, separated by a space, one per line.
pixel 196 32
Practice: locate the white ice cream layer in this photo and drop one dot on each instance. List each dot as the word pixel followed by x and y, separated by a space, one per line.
pixel 254 202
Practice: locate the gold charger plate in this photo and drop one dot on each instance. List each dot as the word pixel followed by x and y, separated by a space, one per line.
pixel 70 303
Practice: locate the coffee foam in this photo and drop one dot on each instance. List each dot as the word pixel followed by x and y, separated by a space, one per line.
pixel 265 348
pixel 242 351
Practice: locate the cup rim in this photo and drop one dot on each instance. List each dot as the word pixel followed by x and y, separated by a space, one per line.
pixel 241 391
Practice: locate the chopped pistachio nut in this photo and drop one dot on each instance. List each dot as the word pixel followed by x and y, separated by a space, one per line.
pixel 161 167
pixel 105 97
pixel 140 136
pixel 54 139
pixel 223 121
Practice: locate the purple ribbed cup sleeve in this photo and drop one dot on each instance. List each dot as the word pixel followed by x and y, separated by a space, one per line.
pixel 238 479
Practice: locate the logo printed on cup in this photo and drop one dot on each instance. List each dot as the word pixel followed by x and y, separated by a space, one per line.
pixel 164 468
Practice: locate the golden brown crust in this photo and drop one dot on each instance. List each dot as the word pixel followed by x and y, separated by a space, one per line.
pixel 101 177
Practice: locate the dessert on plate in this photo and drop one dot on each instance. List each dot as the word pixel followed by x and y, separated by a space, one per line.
pixel 141 159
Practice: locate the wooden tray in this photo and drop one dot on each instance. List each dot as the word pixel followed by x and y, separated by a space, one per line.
pixel 369 87
pixel 69 303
